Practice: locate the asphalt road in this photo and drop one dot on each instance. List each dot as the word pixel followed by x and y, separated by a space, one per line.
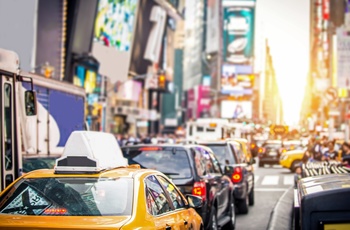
pixel 270 184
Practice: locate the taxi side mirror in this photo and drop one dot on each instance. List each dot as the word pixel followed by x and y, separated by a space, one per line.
pixel 194 201
pixel 30 102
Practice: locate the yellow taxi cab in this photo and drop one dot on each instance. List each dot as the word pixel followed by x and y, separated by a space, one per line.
pixel 93 187
pixel 291 159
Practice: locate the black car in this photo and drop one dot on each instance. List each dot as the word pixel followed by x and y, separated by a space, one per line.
pixel 270 152
pixel 236 166
pixel 194 169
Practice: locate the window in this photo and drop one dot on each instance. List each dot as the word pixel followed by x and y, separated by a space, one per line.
pixel 223 153
pixel 173 163
pixel 175 197
pixel 157 202
pixel 238 149
pixel 69 197
pixel 8 122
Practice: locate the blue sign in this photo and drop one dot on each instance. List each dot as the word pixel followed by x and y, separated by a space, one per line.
pixel 238 34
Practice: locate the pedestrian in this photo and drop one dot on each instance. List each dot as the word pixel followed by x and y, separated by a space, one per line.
pixel 331 153
pixel 297 176
pixel 346 154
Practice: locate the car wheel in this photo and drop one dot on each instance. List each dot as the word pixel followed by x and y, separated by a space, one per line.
pixel 232 214
pixel 213 222
pixel 295 164
pixel 251 197
pixel 243 205
pixel 261 164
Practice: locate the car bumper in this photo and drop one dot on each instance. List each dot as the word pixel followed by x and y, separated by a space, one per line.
pixel 269 159
pixel 239 191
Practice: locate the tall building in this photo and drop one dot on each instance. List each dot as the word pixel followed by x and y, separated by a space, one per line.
pixel 272 103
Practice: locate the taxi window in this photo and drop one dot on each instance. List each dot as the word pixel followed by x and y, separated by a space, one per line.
pixel 69 197
pixel 174 195
pixel 156 200
pixel 174 164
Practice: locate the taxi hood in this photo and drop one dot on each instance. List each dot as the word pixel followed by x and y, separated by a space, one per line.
pixel 18 222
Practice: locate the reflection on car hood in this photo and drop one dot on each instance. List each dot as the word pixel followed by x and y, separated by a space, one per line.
pixel 297 151
pixel 18 222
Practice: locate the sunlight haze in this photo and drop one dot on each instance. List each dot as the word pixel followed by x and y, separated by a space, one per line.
pixel 285 24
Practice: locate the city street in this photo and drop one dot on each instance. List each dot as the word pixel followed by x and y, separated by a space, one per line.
pixel 270 184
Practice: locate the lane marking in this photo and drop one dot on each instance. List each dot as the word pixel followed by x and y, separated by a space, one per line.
pixel 256 178
pixel 288 180
pixel 270 189
pixel 270 180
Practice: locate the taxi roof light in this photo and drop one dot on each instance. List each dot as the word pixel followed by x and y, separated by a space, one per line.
pixel 90 152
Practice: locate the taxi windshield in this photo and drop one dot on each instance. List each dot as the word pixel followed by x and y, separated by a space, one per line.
pixel 69 197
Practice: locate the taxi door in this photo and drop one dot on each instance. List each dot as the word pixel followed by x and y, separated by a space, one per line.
pixel 158 205
pixel 183 217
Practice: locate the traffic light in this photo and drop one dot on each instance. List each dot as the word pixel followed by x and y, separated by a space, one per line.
pixel 161 81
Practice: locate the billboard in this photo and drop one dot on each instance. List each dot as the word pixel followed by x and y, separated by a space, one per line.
pixel 114 23
pixel 236 109
pixel 343 59
pixel 213 32
pixel 238 34
pixel 235 84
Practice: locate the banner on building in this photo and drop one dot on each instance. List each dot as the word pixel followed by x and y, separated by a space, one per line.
pixel 236 84
pixel 213 32
pixel 238 34
pixel 343 59
pixel 236 109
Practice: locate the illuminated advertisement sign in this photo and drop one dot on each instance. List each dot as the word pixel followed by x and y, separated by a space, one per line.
pixel 236 84
pixel 236 109
pixel 238 34
pixel 115 23
pixel 325 9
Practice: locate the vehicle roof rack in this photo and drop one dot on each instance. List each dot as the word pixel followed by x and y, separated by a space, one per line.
pixel 90 152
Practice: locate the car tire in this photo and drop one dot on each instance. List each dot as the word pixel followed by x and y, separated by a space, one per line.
pixel 294 165
pixel 251 197
pixel 261 164
pixel 213 221
pixel 232 214
pixel 243 205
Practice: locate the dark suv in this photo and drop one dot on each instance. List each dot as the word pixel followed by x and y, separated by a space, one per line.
pixel 194 169
pixel 270 152
pixel 240 170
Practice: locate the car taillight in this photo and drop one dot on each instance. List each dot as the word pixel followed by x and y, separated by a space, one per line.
pixel 237 175
pixel 199 189
pixel 252 146
pixel 261 150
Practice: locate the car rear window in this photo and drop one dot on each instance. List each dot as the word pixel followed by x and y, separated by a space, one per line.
pixel 174 164
pixel 272 145
pixel 69 197
pixel 222 153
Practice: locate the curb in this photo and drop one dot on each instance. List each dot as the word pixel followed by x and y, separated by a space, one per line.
pixel 281 217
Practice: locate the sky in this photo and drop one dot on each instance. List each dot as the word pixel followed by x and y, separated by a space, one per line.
pixel 285 24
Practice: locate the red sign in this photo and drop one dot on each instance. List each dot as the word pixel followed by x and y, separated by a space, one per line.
pixel 325 9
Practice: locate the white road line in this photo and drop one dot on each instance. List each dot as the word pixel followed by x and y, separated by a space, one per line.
pixel 270 180
pixel 270 189
pixel 288 180
pixel 256 178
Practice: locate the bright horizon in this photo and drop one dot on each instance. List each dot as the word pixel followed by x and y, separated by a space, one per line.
pixel 285 24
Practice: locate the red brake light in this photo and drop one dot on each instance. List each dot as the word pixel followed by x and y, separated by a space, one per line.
pixel 152 148
pixel 55 211
pixel 261 150
pixel 199 189
pixel 237 175
pixel 252 146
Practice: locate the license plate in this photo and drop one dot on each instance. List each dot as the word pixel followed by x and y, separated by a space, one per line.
pixel 273 153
